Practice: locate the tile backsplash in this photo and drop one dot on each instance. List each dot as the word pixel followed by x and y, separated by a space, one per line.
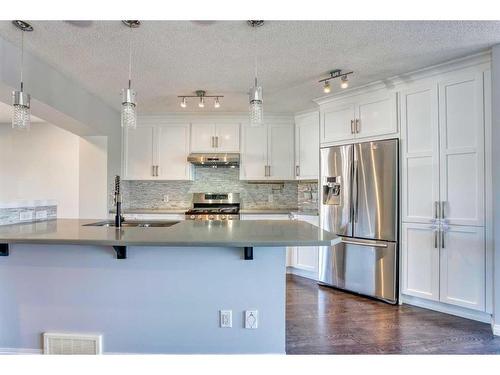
pixel 307 196
pixel 151 194
pixel 26 212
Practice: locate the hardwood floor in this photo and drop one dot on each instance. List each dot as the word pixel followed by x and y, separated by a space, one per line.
pixel 321 320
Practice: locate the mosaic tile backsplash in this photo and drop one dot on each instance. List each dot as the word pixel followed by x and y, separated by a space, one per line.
pixel 150 194
pixel 307 195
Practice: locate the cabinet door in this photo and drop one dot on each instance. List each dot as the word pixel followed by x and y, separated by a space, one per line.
pixel 419 153
pixel 376 115
pixel 254 153
pixel 281 151
pixel 306 257
pixel 462 148
pixel 420 261
pixel 463 267
pixel 307 147
pixel 202 137
pixel 139 153
pixel 173 150
pixel 336 123
pixel 228 137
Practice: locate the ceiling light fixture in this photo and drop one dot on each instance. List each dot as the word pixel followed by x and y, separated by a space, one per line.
pixel 327 88
pixel 129 105
pixel 202 95
pixel 256 110
pixel 334 74
pixel 21 117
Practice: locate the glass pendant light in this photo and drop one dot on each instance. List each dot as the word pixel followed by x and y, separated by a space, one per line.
pixel 256 110
pixel 21 117
pixel 129 105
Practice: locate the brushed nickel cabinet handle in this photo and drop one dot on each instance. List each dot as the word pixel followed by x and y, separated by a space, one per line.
pixel 153 170
pixel 358 127
pixel 442 239
pixel 157 167
pixel 436 210
pixel 352 126
pixel 435 238
pixel 297 170
pixel 442 213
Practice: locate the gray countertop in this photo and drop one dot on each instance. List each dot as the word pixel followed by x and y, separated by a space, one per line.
pixel 265 211
pixel 240 233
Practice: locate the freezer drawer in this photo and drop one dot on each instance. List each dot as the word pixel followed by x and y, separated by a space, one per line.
pixel 362 266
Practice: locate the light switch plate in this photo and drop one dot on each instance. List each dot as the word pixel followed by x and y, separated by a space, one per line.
pixel 251 319
pixel 41 215
pixel 226 318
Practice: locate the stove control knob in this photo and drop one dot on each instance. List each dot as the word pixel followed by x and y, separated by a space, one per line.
pixel 200 217
pixel 210 217
pixel 192 217
pixel 223 217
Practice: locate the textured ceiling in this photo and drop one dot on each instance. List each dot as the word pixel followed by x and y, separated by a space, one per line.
pixel 177 57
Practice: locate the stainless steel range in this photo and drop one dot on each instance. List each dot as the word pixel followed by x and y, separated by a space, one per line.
pixel 214 206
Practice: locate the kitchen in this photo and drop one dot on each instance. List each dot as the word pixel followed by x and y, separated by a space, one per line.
pixel 274 217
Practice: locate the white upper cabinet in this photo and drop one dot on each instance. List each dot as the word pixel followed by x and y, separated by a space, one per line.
pixel 462 148
pixel 156 152
pixel 267 152
pixel 419 153
pixel 139 153
pixel 227 137
pixel 307 146
pixel 281 152
pixel 202 137
pixel 376 115
pixel 215 137
pixel 364 116
pixel 337 123
pixel 173 148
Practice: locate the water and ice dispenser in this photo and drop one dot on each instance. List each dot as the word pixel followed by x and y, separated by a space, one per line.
pixel 331 190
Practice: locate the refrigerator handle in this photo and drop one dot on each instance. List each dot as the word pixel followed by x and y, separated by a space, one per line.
pixel 355 195
pixel 370 244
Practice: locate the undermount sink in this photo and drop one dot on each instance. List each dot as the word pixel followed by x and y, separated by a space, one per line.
pixel 134 224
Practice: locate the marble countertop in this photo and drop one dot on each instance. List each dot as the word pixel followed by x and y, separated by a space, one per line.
pixel 239 233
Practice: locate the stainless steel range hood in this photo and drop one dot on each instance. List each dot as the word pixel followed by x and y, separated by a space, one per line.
pixel 215 159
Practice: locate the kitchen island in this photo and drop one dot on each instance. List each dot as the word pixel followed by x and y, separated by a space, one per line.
pixel 162 295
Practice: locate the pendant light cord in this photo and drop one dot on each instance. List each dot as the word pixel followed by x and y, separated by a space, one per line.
pixel 130 58
pixel 255 54
pixel 22 58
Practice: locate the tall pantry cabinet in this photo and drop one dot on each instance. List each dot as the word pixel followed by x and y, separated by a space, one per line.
pixel 443 188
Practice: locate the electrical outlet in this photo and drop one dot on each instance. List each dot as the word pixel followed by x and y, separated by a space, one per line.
pixel 41 215
pixel 251 319
pixel 165 198
pixel 226 318
pixel 25 215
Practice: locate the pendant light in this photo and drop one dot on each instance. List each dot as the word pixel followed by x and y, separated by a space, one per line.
pixel 20 100
pixel 129 110
pixel 255 95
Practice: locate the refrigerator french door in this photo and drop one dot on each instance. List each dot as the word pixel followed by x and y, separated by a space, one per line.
pixel 359 202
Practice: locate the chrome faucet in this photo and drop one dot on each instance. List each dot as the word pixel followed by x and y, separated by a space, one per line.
pixel 118 201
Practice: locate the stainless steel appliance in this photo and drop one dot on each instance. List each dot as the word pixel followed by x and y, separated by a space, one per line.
pixel 215 206
pixel 359 202
pixel 215 159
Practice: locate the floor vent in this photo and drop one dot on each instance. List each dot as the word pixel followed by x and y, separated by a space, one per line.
pixel 70 343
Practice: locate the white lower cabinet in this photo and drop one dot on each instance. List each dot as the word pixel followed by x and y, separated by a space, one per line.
pixel 420 261
pixel 462 267
pixel 305 258
pixel 446 265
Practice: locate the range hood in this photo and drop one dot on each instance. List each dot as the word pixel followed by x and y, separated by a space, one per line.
pixel 215 159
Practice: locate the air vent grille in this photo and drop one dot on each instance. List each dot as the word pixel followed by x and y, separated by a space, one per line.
pixel 68 343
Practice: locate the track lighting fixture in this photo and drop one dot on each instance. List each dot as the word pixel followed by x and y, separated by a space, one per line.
pixel 202 95
pixel 334 74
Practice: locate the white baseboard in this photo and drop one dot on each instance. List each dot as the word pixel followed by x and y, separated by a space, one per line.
pixel 19 351
pixel 495 328
pixel 462 312
pixel 300 272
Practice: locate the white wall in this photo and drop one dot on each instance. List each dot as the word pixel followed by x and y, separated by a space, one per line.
pixel 495 157
pixel 93 175
pixel 51 163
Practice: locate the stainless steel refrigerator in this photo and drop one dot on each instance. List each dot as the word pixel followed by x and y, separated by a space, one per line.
pixel 359 202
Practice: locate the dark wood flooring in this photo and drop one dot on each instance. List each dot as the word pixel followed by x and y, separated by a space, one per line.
pixel 321 320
